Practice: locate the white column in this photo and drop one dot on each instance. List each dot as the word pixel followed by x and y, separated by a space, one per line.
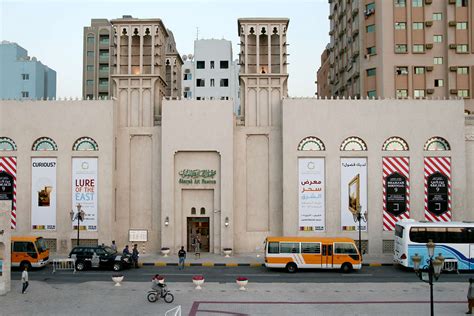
pixel 118 52
pixel 130 39
pixel 141 50
pixel 257 49
pixel 269 40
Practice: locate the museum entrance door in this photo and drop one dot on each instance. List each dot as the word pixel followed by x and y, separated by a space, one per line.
pixel 198 234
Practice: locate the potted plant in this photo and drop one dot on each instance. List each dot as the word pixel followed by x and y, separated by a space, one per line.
pixel 227 252
pixel 117 278
pixel 198 280
pixel 242 282
pixel 165 251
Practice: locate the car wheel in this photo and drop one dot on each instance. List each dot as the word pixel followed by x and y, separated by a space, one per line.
pixel 117 266
pixel 80 266
pixel 346 267
pixel 291 267
pixel 25 264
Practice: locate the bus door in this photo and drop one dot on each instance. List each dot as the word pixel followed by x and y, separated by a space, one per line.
pixel 326 258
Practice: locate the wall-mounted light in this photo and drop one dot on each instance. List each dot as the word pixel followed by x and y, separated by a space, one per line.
pixel 167 221
pixel 226 222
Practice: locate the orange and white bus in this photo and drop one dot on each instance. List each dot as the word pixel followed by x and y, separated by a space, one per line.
pixel 293 253
pixel 29 251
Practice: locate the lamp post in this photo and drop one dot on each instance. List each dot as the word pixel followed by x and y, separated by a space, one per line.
pixel 431 271
pixel 79 216
pixel 359 217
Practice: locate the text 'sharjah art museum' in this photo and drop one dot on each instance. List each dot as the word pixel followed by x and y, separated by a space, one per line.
pixel 158 172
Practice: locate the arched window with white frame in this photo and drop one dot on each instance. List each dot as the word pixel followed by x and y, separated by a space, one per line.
pixel 394 144
pixel 85 144
pixel 436 144
pixel 44 144
pixel 353 143
pixel 311 143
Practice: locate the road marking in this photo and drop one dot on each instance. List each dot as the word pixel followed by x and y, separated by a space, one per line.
pixel 247 274
pixel 358 275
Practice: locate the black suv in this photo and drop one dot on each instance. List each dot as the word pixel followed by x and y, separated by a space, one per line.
pixel 99 257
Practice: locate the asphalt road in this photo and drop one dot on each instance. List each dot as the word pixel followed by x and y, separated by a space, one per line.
pixel 229 274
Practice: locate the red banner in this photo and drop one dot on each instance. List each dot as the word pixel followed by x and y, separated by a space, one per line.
pixel 438 189
pixel 8 164
pixel 396 191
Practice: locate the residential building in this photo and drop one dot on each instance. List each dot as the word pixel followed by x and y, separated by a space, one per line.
pixel 401 48
pixel 24 77
pixel 211 73
pixel 323 86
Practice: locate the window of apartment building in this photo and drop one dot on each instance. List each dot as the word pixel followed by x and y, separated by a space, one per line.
pixel 200 64
pixel 463 70
pixel 418 93
pixel 419 70
pixel 371 50
pixel 104 82
pixel 224 98
pixel 461 48
pixel 402 93
pixel 104 54
pixel 461 3
pixel 212 83
pixel 400 3
pixel 224 64
pixel 200 83
pixel 461 25
pixel 90 68
pixel 89 82
pixel 400 25
pixel 25 76
pixel 438 60
pixel 90 54
pixel 103 67
pixel 370 8
pixel 103 95
pixel 400 48
pixel 438 83
pixel 90 39
pixel 417 3
pixel 437 38
pixel 437 16
pixel 370 28
pixel 212 64
pixel 417 25
pixel 199 98
pixel 89 96
pixel 463 93
pixel 371 72
pixel 188 77
pixel 418 48
pixel 187 94
pixel 371 94
pixel 104 39
pixel 401 70
pixel 25 94
pixel 224 82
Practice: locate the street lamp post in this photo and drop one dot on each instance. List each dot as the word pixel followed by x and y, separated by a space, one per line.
pixel 431 271
pixel 79 216
pixel 359 217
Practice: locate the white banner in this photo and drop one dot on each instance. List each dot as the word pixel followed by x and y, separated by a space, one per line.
pixel 84 191
pixel 311 194
pixel 43 193
pixel 353 193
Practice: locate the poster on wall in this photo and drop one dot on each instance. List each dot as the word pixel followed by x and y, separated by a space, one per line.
pixel 353 193
pixel 438 189
pixel 43 193
pixel 8 165
pixel 396 191
pixel 84 191
pixel 311 194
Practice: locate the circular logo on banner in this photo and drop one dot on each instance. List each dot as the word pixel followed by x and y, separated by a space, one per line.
pixel 311 165
pixel 85 165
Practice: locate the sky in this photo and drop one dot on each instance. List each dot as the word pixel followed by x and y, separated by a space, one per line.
pixel 52 31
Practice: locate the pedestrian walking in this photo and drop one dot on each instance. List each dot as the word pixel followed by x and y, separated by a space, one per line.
pixel 470 296
pixel 135 255
pixel 181 257
pixel 24 280
pixel 113 246
pixel 126 251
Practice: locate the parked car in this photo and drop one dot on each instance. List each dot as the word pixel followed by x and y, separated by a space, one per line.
pixel 99 257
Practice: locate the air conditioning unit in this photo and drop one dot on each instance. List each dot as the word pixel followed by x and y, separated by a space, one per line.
pixel 452 23
pixel 429 46
pixel 429 68
pixel 428 23
pixel 453 68
pixel 428 1
pixel 429 91
pixel 453 46
pixel 453 91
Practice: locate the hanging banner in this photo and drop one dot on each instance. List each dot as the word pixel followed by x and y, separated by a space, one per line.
pixel 396 191
pixel 84 191
pixel 43 193
pixel 311 194
pixel 8 165
pixel 438 189
pixel 353 193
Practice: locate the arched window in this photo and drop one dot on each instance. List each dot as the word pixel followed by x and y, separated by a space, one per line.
pixel 85 144
pixel 7 144
pixel 436 143
pixel 311 143
pixel 353 143
pixel 203 211
pixel 395 143
pixel 44 144
pixel 193 211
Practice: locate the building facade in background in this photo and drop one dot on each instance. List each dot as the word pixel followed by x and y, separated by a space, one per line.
pixel 401 48
pixel 101 51
pixel 24 77
pixel 323 86
pixel 211 73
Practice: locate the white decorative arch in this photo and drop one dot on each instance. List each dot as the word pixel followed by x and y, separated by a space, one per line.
pixel 395 143
pixel 311 143
pixel 85 144
pixel 7 143
pixel 436 143
pixel 353 143
pixel 44 144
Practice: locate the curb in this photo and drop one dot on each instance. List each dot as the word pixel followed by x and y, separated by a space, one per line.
pixel 233 264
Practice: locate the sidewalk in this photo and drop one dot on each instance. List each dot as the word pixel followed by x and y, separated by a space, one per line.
pixel 214 260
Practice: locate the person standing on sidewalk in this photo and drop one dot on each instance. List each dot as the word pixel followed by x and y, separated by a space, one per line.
pixel 181 257
pixel 135 254
pixel 24 280
pixel 470 296
pixel 113 246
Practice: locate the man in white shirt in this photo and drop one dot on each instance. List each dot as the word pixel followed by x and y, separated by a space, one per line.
pixel 24 280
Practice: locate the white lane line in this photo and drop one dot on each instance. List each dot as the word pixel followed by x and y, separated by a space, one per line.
pixel 357 275
pixel 259 275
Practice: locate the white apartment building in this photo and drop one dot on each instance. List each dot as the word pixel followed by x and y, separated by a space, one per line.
pixel 211 74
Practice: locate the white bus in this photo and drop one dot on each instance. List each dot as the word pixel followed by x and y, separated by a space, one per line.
pixel 454 240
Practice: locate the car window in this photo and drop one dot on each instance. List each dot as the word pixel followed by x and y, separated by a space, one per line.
pixel 100 252
pixel 109 250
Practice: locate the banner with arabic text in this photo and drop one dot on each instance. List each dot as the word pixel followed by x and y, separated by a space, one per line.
pixel 311 194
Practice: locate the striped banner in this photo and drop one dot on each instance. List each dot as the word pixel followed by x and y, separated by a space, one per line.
pixel 396 167
pixel 8 164
pixel 437 193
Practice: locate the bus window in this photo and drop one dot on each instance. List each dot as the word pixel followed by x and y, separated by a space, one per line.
pixel 310 247
pixel 399 231
pixel 418 234
pixel 290 247
pixel 273 247
pixel 344 248
pixel 436 234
